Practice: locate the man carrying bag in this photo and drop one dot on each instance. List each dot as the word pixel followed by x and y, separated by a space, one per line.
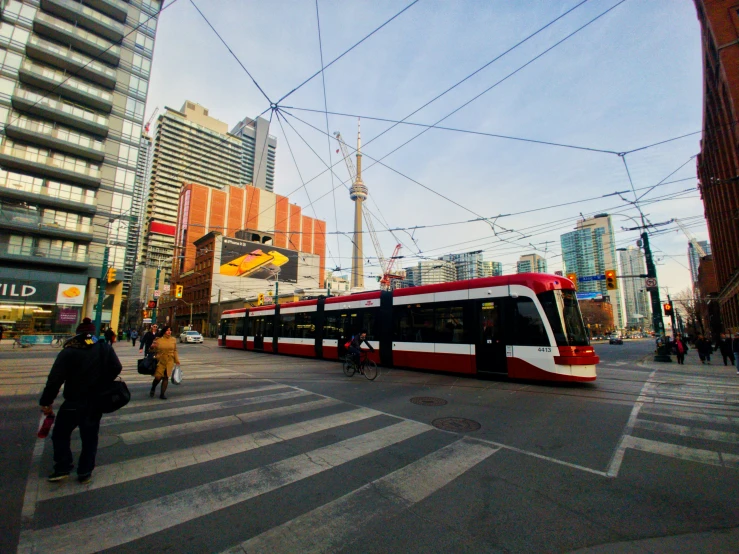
pixel 85 367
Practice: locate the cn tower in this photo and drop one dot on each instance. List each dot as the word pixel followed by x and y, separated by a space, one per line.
pixel 358 193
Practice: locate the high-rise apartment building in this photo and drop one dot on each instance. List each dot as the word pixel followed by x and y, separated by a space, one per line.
pixel 258 153
pixel 492 269
pixel 590 251
pixel 694 258
pixel 637 306
pixel 531 263
pixel 431 272
pixel 73 86
pixel 468 265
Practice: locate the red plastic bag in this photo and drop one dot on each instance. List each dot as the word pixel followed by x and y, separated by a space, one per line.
pixel 45 428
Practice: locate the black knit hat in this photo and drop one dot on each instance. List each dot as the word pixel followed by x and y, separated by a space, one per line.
pixel 87 327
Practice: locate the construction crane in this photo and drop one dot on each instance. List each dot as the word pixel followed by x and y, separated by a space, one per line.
pixel 148 123
pixel 385 265
pixel 691 239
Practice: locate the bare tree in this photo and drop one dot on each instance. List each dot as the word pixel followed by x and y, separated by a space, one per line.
pixel 695 311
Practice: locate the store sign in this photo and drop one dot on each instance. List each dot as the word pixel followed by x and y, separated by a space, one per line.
pixel 67 316
pixel 42 292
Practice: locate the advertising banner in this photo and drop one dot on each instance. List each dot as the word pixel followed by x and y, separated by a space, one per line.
pixel 246 259
pixel 72 295
pixel 67 316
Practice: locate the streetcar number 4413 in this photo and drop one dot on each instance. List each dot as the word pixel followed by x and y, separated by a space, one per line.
pixel 546 349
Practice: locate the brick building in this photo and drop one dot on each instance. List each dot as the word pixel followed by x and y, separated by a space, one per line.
pixel 718 161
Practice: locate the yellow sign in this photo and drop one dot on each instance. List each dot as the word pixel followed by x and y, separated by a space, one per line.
pixel 260 299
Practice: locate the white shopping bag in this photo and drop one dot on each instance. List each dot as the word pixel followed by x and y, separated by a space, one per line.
pixel 177 375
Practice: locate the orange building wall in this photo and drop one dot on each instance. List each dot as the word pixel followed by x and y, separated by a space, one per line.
pixel 306 240
pixel 319 246
pixel 293 241
pixel 235 210
pixel 282 210
pixel 252 207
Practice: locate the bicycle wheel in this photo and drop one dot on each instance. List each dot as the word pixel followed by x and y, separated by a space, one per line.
pixel 349 368
pixel 370 370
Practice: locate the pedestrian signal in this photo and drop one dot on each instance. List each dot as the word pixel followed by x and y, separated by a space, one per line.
pixel 573 277
pixel 152 304
pixel 260 299
pixel 611 283
pixel 111 274
pixel 668 309
pixel 178 291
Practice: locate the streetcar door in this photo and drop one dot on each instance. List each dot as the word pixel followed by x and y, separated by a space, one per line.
pixel 258 333
pixel 490 349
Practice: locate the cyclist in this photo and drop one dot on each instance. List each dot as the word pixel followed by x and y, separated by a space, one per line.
pixel 355 347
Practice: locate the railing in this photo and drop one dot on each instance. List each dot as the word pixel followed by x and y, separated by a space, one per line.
pixel 69 109
pixel 91 14
pixel 50 253
pixel 77 58
pixel 44 128
pixel 64 80
pixel 27 218
pixel 37 187
pixel 67 164
pixel 72 30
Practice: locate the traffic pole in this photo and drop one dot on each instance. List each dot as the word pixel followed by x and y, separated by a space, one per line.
pixel 662 354
pixel 101 291
pixel 156 288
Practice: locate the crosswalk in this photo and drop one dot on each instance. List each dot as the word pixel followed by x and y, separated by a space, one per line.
pixel 688 417
pixel 201 457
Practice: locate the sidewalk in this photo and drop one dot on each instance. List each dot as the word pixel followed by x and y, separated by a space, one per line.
pixel 693 365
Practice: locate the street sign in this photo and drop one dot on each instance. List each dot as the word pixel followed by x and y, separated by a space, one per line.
pixel 587 278
pixel 268 300
pixel 651 282
pixel 165 289
pixel 146 320
pixel 157 293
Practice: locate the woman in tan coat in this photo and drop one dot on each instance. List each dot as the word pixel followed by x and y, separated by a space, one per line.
pixel 165 346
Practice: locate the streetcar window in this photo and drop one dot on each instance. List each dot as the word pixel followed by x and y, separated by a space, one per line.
pixel 450 324
pixel 331 326
pixel 305 325
pixel 564 316
pixel 287 326
pixel 238 327
pixel 491 324
pixel 413 324
pixel 268 326
pixel 528 327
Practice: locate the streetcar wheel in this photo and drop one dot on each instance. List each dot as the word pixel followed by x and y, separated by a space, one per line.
pixel 370 370
pixel 348 368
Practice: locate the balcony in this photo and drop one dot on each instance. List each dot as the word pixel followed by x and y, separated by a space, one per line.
pixel 69 60
pixel 31 73
pixel 61 112
pixel 34 192
pixel 26 220
pixel 56 29
pixel 88 18
pixel 43 164
pixel 48 256
pixel 114 8
pixel 44 134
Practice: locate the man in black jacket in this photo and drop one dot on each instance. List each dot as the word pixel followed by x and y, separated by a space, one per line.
pixel 724 346
pixel 147 339
pixel 83 366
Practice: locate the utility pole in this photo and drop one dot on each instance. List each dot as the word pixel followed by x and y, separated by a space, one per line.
pixel 101 291
pixel 662 354
pixel 672 314
pixel 156 288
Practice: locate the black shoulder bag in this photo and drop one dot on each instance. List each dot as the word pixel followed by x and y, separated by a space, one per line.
pixel 113 396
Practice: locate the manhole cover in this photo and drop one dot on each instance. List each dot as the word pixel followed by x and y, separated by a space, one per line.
pixel 456 424
pixel 428 401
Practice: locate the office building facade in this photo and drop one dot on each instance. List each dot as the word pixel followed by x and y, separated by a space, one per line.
pixel 73 86
pixel 258 153
pixel 694 258
pixel 492 269
pixel 531 263
pixel 637 305
pixel 469 265
pixel 431 272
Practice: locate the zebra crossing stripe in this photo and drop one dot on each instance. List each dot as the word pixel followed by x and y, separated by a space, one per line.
pixel 685 431
pixel 141 520
pixel 200 408
pixel 684 414
pixel 207 395
pixel 710 457
pixel 334 525
pixel 130 470
pixel 168 431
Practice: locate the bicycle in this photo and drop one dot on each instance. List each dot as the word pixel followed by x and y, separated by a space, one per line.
pixel 59 340
pixel 366 367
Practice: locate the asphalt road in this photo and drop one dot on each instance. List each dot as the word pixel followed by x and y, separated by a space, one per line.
pixel 259 453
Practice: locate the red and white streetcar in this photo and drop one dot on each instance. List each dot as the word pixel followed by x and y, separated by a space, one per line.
pixel 525 326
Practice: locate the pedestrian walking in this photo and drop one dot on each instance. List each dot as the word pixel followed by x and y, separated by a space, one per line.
pixel 735 350
pixel 723 345
pixel 681 348
pixel 147 339
pixel 165 347
pixel 84 366
pixel 109 335
pixel 134 334
pixel 704 348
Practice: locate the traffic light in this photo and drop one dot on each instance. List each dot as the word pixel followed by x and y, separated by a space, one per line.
pixel 111 274
pixel 611 283
pixel 152 304
pixel 573 277
pixel 668 309
pixel 178 291
pixel 260 299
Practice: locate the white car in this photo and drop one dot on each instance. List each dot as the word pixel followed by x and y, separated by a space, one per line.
pixel 191 336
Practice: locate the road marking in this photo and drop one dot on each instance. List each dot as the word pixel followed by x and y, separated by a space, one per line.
pixel 333 526
pixel 200 408
pixel 684 414
pixel 30 498
pixel 710 457
pixel 140 520
pixel 130 470
pixel 207 395
pixel 179 429
pixel 685 431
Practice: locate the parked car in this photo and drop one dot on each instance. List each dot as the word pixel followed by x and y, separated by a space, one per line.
pixel 615 340
pixel 191 336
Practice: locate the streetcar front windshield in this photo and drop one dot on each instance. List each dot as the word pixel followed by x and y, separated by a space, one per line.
pixel 565 318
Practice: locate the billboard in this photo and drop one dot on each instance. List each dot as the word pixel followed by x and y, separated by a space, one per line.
pixel 246 259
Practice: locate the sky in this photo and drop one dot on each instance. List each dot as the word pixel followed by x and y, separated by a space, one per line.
pixel 629 79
